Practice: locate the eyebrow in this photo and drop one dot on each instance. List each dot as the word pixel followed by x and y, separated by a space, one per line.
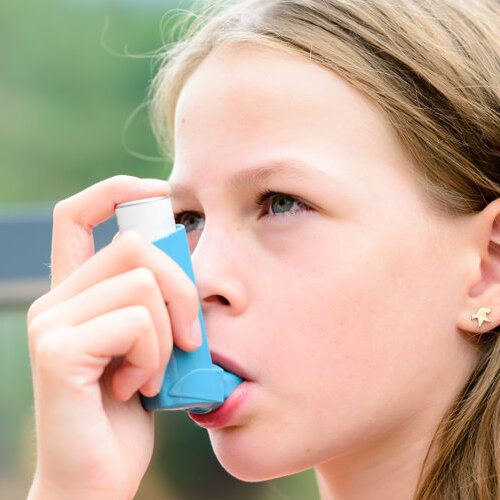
pixel 292 167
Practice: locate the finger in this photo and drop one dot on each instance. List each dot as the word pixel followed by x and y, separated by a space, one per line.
pixel 76 356
pixel 129 251
pixel 75 217
pixel 136 287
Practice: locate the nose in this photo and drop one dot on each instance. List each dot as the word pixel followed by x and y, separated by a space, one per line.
pixel 218 265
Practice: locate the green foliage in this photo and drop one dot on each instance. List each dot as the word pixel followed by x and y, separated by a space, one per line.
pixel 65 95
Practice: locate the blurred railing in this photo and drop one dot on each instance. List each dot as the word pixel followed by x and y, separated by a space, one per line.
pixel 25 243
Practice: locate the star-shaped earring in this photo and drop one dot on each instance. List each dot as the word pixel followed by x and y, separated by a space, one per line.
pixel 481 315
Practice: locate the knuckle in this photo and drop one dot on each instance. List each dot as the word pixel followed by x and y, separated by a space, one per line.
pixel 37 326
pixel 60 208
pixel 130 244
pixel 141 319
pixel 145 281
pixel 121 179
pixel 34 330
pixel 50 350
pixel 115 183
pixel 33 310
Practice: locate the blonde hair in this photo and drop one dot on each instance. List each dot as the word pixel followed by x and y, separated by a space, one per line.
pixel 433 68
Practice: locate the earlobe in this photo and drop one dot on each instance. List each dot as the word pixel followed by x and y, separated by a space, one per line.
pixel 481 306
pixel 481 314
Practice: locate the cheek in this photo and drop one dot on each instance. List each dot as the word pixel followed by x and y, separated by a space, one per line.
pixel 350 346
pixel 352 325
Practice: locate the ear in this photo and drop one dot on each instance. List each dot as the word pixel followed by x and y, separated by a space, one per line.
pixel 481 304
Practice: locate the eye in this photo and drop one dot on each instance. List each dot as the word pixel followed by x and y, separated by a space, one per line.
pixel 190 220
pixel 280 203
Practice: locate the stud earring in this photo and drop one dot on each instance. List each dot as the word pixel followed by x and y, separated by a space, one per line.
pixel 481 315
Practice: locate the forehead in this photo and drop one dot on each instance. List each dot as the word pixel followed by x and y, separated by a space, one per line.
pixel 247 105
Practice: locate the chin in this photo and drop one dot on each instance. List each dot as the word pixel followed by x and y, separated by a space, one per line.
pixel 253 459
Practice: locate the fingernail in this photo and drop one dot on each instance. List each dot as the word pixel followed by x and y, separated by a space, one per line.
pixel 196 332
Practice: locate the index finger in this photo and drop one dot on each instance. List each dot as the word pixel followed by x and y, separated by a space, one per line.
pixel 75 218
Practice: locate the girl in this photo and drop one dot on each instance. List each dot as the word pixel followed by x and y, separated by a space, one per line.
pixel 337 168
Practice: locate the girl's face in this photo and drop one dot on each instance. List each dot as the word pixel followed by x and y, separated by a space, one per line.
pixel 335 293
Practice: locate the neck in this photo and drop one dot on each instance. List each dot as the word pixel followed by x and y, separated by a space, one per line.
pixel 381 471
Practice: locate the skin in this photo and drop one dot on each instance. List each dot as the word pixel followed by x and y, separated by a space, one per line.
pixel 350 317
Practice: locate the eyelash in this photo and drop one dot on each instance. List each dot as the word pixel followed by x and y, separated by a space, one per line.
pixel 261 200
pixel 264 196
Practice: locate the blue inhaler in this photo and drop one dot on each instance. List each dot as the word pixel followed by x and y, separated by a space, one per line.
pixel 192 382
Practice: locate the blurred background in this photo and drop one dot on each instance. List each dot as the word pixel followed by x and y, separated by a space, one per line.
pixel 73 79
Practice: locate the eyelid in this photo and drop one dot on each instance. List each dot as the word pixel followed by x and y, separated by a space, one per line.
pixel 263 197
pixel 178 213
pixel 261 200
pixel 269 193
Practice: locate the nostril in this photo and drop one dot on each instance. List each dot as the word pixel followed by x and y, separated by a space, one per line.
pixel 217 298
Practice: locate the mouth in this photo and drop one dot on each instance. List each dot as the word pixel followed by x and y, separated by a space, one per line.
pixel 228 365
pixel 229 413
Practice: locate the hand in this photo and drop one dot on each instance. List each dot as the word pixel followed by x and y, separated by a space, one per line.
pixel 104 331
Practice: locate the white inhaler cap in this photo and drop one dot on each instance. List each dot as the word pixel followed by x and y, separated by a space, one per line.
pixel 152 217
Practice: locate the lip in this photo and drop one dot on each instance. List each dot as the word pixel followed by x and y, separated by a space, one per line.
pixel 229 365
pixel 222 416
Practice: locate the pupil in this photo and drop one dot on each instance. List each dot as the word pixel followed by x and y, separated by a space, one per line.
pixel 282 203
pixel 190 220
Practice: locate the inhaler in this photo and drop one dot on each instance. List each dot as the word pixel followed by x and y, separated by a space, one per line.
pixel 192 382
